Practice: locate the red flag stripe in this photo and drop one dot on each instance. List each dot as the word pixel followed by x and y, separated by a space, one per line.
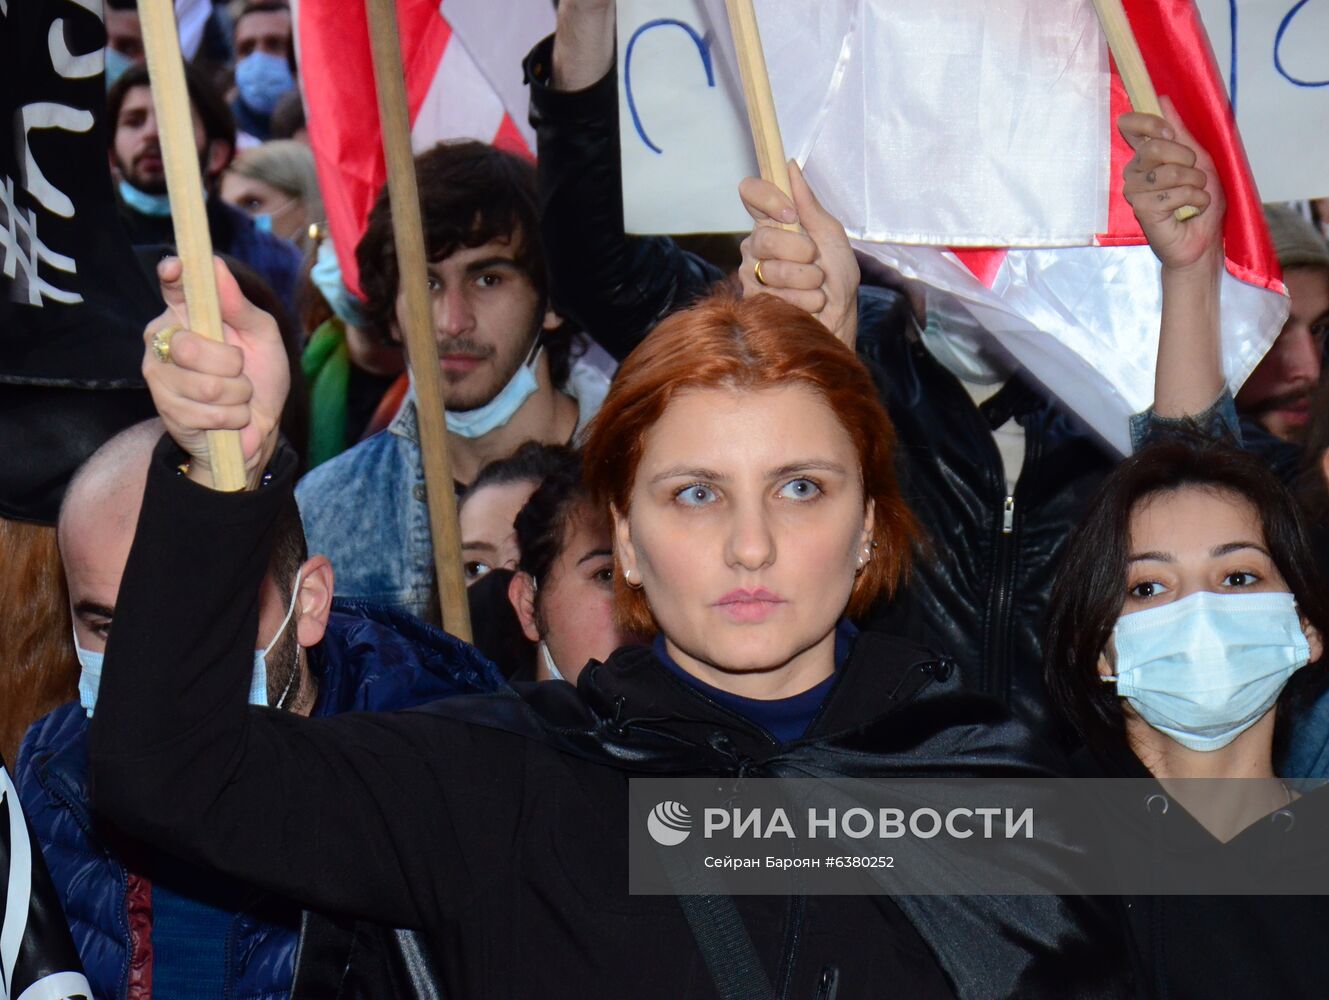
pixel 1181 63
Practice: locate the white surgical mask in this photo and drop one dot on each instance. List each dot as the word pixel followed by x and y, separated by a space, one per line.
pixel 1206 668
pixel 960 344
pixel 503 407
pixel 549 662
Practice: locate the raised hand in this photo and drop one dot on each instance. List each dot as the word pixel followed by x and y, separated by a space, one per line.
pixel 1170 170
pixel 204 386
pixel 814 269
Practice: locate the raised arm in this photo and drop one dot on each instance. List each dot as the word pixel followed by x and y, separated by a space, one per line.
pixel 616 286
pixel 1169 171
pixel 350 814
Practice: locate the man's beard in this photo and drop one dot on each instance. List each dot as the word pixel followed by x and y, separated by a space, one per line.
pixel 1269 406
pixel 464 404
pixel 283 662
pixel 155 184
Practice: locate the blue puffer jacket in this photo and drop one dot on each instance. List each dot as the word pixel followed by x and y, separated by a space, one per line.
pixel 371 659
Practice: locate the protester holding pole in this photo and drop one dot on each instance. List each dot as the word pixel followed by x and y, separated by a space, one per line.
pixel 441 821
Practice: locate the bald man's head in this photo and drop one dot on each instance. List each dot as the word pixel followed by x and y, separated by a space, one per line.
pixel 96 527
pixel 96 531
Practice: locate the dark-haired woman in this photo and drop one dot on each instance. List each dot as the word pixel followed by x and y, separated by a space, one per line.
pixel 746 463
pixel 1185 627
pixel 488 509
pixel 563 590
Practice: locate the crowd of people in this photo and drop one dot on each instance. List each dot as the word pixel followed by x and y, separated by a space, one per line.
pixel 721 509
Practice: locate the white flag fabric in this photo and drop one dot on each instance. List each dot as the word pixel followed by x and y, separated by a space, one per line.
pixel 970 145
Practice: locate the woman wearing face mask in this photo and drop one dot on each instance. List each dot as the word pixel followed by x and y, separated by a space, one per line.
pixel 747 465
pixel 1185 631
pixel 563 590
pixel 275 184
pixel 1184 635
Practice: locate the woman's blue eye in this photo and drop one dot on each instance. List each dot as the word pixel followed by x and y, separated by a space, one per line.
pixel 695 495
pixel 800 489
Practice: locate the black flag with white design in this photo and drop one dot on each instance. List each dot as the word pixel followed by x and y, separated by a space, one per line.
pixel 73 298
pixel 37 956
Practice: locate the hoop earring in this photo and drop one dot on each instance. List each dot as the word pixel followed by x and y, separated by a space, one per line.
pixel 627 578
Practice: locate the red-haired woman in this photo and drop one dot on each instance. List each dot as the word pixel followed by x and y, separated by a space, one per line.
pixel 748 466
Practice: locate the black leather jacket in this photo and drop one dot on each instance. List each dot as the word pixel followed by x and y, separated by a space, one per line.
pixel 982 577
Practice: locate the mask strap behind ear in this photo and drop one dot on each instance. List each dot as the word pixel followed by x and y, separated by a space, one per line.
pixel 295 594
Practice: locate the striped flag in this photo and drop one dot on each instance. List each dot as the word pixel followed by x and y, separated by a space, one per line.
pixel 462 60
pixel 972 146
pixel 37 956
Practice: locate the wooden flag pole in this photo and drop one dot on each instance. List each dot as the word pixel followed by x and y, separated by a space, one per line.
pixel 184 184
pixel 1130 65
pixel 771 160
pixel 421 349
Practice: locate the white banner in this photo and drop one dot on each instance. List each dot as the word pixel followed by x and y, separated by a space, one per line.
pixel 1274 58
pixel 952 123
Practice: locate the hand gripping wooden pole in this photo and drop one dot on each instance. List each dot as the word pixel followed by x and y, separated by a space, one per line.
pixel 421 349
pixel 1134 74
pixel 184 184
pixel 771 161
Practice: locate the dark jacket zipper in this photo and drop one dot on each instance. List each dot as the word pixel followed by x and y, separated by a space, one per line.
pixel 993 669
pixel 997 652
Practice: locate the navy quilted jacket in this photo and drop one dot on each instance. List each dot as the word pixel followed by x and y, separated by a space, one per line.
pixel 371 659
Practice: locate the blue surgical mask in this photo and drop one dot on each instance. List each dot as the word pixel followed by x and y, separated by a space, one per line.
pixel 258 681
pixel 90 668
pixel 326 276
pixel 263 223
pixel 262 79
pixel 116 64
pixel 1206 668
pixel 89 676
pixel 156 205
pixel 499 410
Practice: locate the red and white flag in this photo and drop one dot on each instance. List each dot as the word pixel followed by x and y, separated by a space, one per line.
pixel 972 146
pixel 462 60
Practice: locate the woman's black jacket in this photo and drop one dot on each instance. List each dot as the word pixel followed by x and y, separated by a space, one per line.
pixel 498 826
pixel 1196 947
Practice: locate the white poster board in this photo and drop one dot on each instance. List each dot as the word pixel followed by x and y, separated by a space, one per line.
pixel 951 123
pixel 682 124
pixel 1274 58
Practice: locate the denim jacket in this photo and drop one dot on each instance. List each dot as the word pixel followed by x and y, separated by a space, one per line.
pixel 365 509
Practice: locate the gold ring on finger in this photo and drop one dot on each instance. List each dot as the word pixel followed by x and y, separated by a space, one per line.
pixel 756 273
pixel 161 343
